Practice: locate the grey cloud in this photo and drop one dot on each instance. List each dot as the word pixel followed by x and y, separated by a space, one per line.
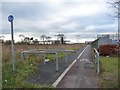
pixel 27 10
pixel 39 18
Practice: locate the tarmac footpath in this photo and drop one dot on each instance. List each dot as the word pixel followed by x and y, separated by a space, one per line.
pixel 82 74
pixel 47 75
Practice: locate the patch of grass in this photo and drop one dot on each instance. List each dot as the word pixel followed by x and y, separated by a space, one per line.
pixel 108 78
pixel 23 70
pixel 52 57
pixel 17 78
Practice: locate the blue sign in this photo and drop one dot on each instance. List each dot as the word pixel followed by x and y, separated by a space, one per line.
pixel 10 18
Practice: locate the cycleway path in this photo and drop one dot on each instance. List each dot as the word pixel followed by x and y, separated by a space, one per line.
pixel 82 74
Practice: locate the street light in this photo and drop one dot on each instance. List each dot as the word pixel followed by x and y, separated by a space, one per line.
pixel 77 38
pixel 10 19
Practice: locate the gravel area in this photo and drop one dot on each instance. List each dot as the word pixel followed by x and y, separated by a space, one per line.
pixel 47 75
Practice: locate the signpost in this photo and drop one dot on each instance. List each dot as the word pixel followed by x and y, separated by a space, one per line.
pixel 10 19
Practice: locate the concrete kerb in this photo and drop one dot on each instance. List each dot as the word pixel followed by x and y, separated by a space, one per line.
pixel 65 72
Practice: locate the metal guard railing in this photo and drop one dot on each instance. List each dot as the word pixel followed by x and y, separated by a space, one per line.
pixel 97 62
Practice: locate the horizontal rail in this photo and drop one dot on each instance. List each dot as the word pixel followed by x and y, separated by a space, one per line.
pixel 45 51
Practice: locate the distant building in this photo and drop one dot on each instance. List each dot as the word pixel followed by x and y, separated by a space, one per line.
pixel 105 40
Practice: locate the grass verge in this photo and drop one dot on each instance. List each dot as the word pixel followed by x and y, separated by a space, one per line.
pixel 18 78
pixel 108 78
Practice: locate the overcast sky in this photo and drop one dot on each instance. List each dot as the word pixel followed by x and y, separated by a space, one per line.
pixel 33 18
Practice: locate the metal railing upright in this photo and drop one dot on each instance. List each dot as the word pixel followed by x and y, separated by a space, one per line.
pixel 97 62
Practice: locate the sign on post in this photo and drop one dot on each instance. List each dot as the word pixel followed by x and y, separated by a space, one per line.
pixel 10 19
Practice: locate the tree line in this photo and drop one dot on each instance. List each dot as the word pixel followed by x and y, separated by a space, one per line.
pixel 44 39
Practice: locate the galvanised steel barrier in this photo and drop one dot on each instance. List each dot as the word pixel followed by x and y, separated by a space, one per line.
pixel 97 62
pixel 44 52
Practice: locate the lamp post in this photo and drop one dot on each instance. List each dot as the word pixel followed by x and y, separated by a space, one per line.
pixel 77 38
pixel 10 19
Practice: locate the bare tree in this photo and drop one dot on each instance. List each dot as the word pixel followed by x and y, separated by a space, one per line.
pixel 115 5
pixel 27 40
pixel 36 41
pixel 31 40
pixel 43 38
pixel 61 37
pixel 22 37
pixel 48 38
pixel 2 39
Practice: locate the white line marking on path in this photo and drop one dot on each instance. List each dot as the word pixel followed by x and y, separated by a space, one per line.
pixel 82 52
pixel 68 68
